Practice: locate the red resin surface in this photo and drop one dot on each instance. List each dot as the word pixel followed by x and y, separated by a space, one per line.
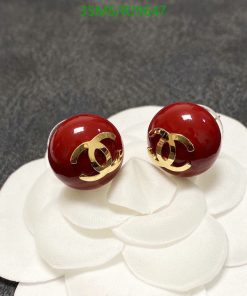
pixel 69 134
pixel 195 123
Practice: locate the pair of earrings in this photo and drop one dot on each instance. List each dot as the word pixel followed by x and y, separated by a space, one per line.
pixel 86 151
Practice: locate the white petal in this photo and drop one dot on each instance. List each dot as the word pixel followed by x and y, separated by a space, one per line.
pixel 183 266
pixel 141 187
pixel 18 256
pixel 45 189
pixel 113 280
pixel 136 149
pixel 133 116
pixel 224 184
pixel 198 292
pixel 235 225
pixel 232 282
pixel 138 131
pixel 52 288
pixel 234 142
pixel 127 140
pixel 65 247
pixel 177 221
pixel 47 163
pixel 90 208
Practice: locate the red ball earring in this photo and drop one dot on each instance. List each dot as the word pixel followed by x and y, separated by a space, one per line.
pixel 85 151
pixel 184 139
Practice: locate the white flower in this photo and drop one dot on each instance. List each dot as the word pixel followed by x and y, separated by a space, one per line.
pixel 145 234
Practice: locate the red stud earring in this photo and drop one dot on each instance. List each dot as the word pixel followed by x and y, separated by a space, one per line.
pixel 85 151
pixel 184 139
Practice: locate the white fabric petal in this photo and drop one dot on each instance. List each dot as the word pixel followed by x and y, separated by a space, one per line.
pixel 90 208
pixel 224 184
pixel 141 187
pixel 47 160
pixel 51 288
pixel 133 116
pixel 18 256
pixel 183 266
pixel 138 131
pixel 199 292
pixel 235 225
pixel 127 140
pixel 234 142
pixel 113 280
pixel 232 282
pixel 65 247
pixel 136 149
pixel 45 189
pixel 173 223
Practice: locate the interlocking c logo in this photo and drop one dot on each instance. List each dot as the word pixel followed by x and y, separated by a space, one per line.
pixel 93 145
pixel 169 138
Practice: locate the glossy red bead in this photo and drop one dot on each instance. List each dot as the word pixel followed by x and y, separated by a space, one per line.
pixel 73 142
pixel 196 150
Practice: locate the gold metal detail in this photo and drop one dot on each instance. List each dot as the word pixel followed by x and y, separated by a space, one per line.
pixel 170 139
pixel 93 145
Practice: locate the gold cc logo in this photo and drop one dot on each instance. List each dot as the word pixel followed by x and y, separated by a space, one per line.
pixel 169 138
pixel 93 145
